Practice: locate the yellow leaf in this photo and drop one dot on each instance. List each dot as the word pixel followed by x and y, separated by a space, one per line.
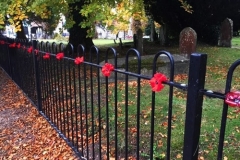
pixel 201 158
pixel 45 152
pixel 179 156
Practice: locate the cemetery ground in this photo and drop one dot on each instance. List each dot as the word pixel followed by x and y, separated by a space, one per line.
pixel 26 135
pixel 219 60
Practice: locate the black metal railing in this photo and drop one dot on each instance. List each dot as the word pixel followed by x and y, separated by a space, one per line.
pixel 89 111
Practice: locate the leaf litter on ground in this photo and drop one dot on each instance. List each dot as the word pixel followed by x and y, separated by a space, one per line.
pixel 24 133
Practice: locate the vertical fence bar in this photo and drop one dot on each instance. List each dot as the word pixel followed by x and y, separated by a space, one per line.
pixel 127 100
pixel 55 94
pixel 75 109
pixel 107 117
pixel 47 82
pixel 91 103
pixel 10 69
pixel 66 121
pixel 11 52
pixel 86 106
pixel 37 76
pixel 80 107
pixel 116 108
pixel 126 108
pixel 62 73
pixel 225 109
pixel 113 51
pixel 99 110
pixel 52 84
pixel 196 81
pixel 138 106
pixel 45 86
pixel 70 73
pixel 59 95
pixel 80 49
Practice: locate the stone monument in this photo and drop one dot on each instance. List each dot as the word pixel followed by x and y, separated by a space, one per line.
pixel 187 41
pixel 226 33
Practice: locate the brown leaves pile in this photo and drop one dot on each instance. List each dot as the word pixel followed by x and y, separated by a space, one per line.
pixel 24 134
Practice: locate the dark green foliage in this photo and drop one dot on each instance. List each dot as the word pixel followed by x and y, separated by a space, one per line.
pixel 148 30
pixel 78 35
pixel 209 34
pixel 205 19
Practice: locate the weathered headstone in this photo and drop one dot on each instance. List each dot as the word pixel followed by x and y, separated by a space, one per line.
pixel 226 32
pixel 187 41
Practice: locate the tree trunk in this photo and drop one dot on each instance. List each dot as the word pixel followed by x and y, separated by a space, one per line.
pixel 135 41
pixel 21 34
pixel 78 34
pixel 140 41
pixel 163 35
pixel 153 36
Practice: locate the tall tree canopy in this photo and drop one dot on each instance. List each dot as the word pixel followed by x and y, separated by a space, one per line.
pixel 205 18
pixel 115 15
pixel 13 12
pixel 81 15
pixel 17 12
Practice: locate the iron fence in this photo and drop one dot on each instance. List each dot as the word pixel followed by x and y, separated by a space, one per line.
pixel 101 117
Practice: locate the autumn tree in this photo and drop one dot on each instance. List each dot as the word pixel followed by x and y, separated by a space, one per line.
pixel 78 34
pixel 116 16
pixel 81 16
pixel 14 12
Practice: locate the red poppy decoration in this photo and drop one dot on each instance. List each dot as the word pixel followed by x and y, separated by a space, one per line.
pixel 29 50
pixel 107 69
pixel 13 45
pixel 18 45
pixel 78 60
pixel 2 42
pixel 46 56
pixel 36 51
pixel 156 82
pixel 233 99
pixel 60 56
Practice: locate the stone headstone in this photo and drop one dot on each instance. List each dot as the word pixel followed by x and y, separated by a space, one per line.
pixel 226 32
pixel 187 41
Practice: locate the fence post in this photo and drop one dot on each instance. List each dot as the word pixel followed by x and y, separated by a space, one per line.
pixel 196 81
pixel 37 76
pixel 9 54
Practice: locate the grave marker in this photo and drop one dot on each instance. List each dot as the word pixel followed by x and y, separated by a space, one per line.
pixel 226 32
pixel 187 41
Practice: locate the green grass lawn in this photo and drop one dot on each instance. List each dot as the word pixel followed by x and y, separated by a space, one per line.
pixel 219 60
pixel 107 42
pixel 97 42
pixel 236 41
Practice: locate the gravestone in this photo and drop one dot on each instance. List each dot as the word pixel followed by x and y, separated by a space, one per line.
pixel 226 32
pixel 187 41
